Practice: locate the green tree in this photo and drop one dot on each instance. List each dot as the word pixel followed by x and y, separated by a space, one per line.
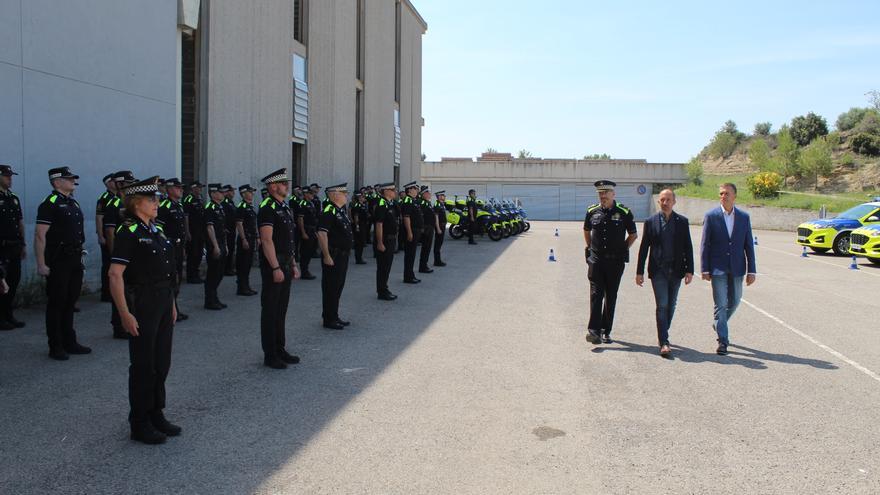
pixel 523 154
pixel 815 159
pixel 786 155
pixel 730 128
pixel 806 128
pixel 597 156
pixel 694 170
pixel 850 118
pixel 490 150
pixel 723 145
pixel 759 154
pixel 874 98
pixel 763 128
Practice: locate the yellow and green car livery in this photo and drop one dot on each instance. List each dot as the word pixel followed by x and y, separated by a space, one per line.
pixel 834 233
pixel 865 241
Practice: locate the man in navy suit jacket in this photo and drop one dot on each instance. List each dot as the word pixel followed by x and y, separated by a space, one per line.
pixel 727 254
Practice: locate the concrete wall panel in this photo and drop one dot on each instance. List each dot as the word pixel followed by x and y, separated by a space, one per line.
pixel 10 31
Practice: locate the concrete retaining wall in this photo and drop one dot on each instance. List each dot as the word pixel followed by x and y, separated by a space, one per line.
pixel 763 217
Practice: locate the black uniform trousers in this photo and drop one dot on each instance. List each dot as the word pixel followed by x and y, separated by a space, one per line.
pixel 409 256
pixel 63 286
pixel 332 283
pixel 309 247
pixel 105 268
pixel 195 250
pixel 244 260
pixel 179 249
pixel 230 251
pixel 438 244
pixel 604 276
pixel 360 240
pixel 214 276
pixel 150 351
pixel 384 260
pixel 10 258
pixel 427 242
pixel 274 298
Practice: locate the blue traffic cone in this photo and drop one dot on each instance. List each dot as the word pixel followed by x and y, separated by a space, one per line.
pixel 557 233
pixel 804 254
pixel 552 256
pixel 852 266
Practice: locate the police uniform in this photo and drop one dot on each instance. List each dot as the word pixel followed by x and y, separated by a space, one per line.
pixel 149 277
pixel 114 215
pixel 410 209
pixel 606 259
pixel 471 204
pixel 214 217
pixel 172 219
pixel 386 213
pixel 308 214
pixel 428 230
pixel 63 256
pixel 103 199
pixel 244 258
pixel 275 296
pixel 12 246
pixel 229 208
pixel 360 222
pixel 194 206
pixel 440 212
pixel 335 223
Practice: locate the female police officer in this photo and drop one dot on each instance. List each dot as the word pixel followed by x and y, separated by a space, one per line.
pixel 142 276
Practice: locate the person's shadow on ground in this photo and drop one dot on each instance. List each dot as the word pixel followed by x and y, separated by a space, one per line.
pixel 752 358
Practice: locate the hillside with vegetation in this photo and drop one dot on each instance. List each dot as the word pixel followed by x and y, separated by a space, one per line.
pixel 803 164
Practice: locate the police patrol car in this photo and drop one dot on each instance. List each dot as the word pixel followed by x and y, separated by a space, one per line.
pixel 834 233
pixel 865 241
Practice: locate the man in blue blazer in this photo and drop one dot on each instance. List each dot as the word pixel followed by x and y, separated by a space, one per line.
pixel 667 237
pixel 727 254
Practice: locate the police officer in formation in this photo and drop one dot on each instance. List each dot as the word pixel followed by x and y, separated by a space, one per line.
pixel 440 213
pixel 105 197
pixel 143 277
pixel 215 240
pixel 194 206
pixel 413 222
pixel 278 267
pixel 228 205
pixel 307 221
pixel 173 220
pixel 58 247
pixel 385 219
pixel 12 247
pixel 248 239
pixel 335 236
pixel 609 231
pixel 360 222
pixel 114 215
pixel 429 228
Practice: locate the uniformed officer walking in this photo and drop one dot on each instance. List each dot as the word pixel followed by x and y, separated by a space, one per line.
pixel 215 240
pixel 114 215
pixel 103 199
pixel 278 267
pixel 609 231
pixel 440 212
pixel 413 221
pixel 429 229
pixel 58 248
pixel 228 205
pixel 172 219
pixel 307 220
pixel 248 239
pixel 385 219
pixel 12 246
pixel 194 206
pixel 360 222
pixel 472 215
pixel 142 279
pixel 335 236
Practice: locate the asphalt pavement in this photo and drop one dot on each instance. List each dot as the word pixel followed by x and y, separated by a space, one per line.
pixel 478 380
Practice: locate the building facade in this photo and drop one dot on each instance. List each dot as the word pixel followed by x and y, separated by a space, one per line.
pixel 552 189
pixel 215 90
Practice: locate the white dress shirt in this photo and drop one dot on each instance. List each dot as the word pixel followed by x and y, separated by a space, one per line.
pixel 728 220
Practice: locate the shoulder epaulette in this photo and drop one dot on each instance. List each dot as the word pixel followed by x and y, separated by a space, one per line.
pixel 382 202
pixel 160 228
pixel 592 207
pixel 53 198
pixel 623 208
pixel 330 208
pixel 264 202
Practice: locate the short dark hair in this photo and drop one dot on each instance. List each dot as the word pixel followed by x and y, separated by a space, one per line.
pixel 730 185
pixel 471 191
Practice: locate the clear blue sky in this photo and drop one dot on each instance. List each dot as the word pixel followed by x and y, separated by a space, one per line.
pixel 635 79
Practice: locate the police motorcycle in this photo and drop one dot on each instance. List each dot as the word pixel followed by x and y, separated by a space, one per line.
pixel 459 223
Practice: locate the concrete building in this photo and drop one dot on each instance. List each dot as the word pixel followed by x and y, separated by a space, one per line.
pixel 552 189
pixel 216 90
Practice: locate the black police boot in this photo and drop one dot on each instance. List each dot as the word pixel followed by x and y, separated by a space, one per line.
pixel 6 325
pixel 182 316
pixel 360 261
pixel 472 242
pixel 593 336
pixel 333 325
pixel 78 348
pixel 288 357
pixel 15 323
pixel 274 362
pixel 145 432
pixel 606 338
pixel 387 297
pixel 58 354
pixel 213 306
pixel 307 276
pixel 163 425
pixel 343 322
pixel 439 263
pixel 425 269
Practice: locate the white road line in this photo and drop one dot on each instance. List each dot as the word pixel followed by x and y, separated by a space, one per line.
pixel 816 260
pixel 815 342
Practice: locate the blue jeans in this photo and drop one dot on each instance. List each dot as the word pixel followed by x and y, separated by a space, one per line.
pixel 665 287
pixel 726 292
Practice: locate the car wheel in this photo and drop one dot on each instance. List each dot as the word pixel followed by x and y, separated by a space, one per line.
pixel 876 261
pixel 841 244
